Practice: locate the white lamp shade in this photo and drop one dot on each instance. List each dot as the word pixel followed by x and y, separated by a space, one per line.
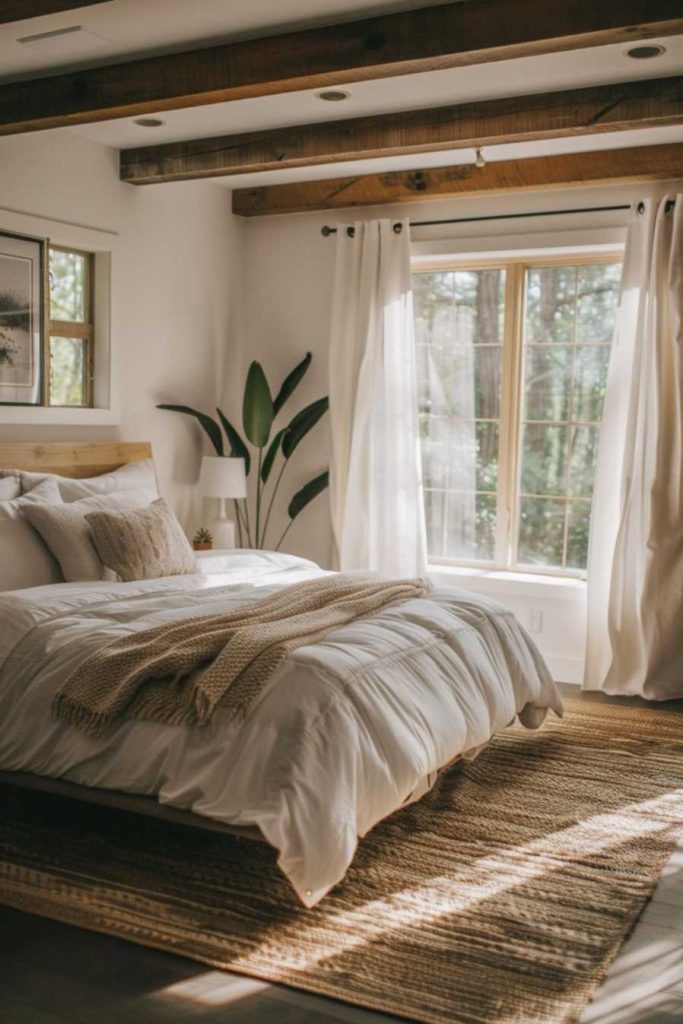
pixel 222 477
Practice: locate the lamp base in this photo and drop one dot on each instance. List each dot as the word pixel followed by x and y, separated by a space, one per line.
pixel 224 534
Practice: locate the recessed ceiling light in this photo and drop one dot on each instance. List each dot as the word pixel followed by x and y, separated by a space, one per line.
pixel 333 95
pixel 148 122
pixel 646 52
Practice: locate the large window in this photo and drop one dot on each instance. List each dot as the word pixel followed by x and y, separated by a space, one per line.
pixel 69 356
pixel 513 363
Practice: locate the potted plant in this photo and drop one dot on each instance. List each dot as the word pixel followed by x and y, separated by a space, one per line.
pixel 260 410
pixel 202 540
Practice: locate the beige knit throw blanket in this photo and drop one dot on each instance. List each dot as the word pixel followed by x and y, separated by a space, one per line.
pixel 147 674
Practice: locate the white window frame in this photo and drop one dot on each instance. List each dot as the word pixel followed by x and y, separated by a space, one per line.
pixel 512 386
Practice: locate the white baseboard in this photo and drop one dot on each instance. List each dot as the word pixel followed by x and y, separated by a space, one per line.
pixel 565 669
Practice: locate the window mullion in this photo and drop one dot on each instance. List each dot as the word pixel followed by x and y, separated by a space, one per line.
pixel 510 415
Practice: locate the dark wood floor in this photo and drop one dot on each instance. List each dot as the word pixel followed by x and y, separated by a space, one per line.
pixel 54 974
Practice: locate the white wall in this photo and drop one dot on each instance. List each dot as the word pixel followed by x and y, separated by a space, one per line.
pixel 289 270
pixel 174 288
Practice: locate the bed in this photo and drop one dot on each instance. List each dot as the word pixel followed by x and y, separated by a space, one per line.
pixel 347 731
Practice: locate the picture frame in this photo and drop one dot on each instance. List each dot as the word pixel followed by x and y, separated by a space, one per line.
pixel 23 320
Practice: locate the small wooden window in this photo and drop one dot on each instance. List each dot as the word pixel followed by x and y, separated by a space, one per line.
pixel 69 359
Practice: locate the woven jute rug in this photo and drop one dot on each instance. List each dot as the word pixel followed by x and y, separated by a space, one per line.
pixel 500 897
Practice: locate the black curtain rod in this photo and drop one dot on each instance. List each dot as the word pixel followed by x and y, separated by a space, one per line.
pixel 327 230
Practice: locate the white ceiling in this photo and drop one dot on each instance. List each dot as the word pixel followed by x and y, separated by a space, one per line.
pixel 122 28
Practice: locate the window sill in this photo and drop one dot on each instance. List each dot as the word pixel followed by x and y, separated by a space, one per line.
pixel 520 584
pixel 35 415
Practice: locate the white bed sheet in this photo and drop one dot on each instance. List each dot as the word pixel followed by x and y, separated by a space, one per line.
pixel 347 731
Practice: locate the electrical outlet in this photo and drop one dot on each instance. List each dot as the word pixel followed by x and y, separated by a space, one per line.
pixel 536 620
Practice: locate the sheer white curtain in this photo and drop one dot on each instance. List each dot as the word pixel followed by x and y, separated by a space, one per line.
pixel 375 487
pixel 635 563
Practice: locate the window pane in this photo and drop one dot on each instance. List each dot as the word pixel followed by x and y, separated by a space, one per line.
pixel 449 453
pixel 67 286
pixel 460 379
pixel 487 517
pixel 459 317
pixel 577 534
pixel 471 527
pixel 544 459
pixel 435 515
pixel 590 379
pixel 583 458
pixel 487 456
pixel 487 381
pixel 568 326
pixel 472 299
pixel 68 372
pixel 550 305
pixel 541 531
pixel 597 295
pixel 547 382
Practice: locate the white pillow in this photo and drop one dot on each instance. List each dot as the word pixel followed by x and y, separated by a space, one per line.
pixel 9 487
pixel 64 529
pixel 134 476
pixel 25 561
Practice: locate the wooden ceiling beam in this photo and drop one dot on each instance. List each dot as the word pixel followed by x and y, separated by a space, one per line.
pixel 568 170
pixel 427 39
pixel 22 10
pixel 605 108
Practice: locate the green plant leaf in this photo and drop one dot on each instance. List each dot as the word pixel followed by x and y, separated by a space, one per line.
pixel 237 446
pixel 257 412
pixel 291 382
pixel 307 493
pixel 271 453
pixel 208 423
pixel 302 423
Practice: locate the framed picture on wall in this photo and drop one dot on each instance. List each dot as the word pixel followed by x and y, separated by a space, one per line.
pixel 22 319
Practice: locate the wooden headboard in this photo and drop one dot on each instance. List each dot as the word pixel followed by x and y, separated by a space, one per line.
pixel 72 459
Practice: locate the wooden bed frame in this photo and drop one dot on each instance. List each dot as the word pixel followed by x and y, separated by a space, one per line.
pixel 78 460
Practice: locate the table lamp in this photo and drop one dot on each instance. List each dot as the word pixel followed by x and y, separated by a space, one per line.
pixel 222 478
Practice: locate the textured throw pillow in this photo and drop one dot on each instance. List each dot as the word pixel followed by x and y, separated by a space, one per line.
pixel 9 487
pixel 135 476
pixel 67 534
pixel 142 545
pixel 25 561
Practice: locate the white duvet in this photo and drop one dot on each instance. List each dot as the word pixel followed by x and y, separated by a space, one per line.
pixel 347 731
